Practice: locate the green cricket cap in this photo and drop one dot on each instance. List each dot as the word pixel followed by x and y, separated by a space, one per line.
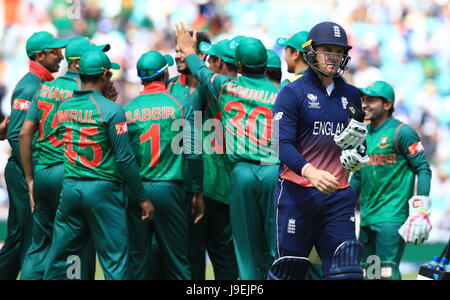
pixel 296 41
pixel 153 63
pixel 379 89
pixel 251 53
pixel 96 62
pixel 235 41
pixel 221 49
pixel 43 40
pixel 80 45
pixel 273 60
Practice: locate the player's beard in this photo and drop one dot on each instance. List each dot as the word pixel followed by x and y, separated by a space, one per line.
pixel 185 71
pixel 374 114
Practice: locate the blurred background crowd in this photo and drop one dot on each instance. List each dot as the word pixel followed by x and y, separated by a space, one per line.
pixel 404 42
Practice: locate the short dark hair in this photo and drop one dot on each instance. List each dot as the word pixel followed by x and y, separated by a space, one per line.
pixel 214 57
pixel 232 67
pixel 292 50
pixel 253 71
pixel 160 77
pixel 274 74
pixel 201 37
pixel 90 78
pixel 33 57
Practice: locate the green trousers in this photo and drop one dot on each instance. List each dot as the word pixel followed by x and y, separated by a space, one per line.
pixel 90 209
pixel 20 222
pixel 213 234
pixel 169 227
pixel 382 240
pixel 252 218
pixel 47 192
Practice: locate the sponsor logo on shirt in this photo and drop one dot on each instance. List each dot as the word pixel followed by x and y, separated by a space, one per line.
pixel 313 103
pixel 344 101
pixel 121 128
pixel 278 116
pixel 21 104
pixel 416 148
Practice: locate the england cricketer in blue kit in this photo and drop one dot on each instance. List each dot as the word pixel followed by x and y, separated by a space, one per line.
pixel 314 203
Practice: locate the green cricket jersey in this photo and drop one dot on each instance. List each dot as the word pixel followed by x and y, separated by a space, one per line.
pixel 216 168
pixel 178 87
pixel 155 120
pixel 246 105
pixel 96 142
pixel 21 99
pixel 43 111
pixel 386 183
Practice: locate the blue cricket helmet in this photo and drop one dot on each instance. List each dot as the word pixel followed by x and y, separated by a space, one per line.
pixel 328 33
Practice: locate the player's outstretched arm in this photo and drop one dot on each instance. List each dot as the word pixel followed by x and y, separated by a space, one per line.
pixel 187 45
pixel 27 132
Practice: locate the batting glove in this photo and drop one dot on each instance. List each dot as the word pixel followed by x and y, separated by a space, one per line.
pixel 418 226
pixel 352 136
pixel 355 133
pixel 354 159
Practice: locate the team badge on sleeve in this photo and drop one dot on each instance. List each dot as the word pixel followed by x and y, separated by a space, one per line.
pixel 416 148
pixel 21 104
pixel 121 128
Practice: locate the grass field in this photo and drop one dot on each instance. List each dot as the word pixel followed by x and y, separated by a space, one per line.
pixel 414 255
pixel 210 273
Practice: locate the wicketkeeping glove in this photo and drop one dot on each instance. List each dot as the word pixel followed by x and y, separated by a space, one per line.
pixel 354 159
pixel 417 227
pixel 355 133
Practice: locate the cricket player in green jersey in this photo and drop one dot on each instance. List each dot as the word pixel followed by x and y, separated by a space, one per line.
pixel 48 172
pixel 390 212
pixel 183 86
pixel 273 68
pixel 293 55
pixel 186 87
pixel 98 159
pixel 213 231
pixel 45 54
pixel 154 134
pixel 246 104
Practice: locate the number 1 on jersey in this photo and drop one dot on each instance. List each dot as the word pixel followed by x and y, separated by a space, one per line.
pixel 153 134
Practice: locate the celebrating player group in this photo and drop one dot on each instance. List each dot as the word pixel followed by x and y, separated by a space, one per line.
pixel 223 159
